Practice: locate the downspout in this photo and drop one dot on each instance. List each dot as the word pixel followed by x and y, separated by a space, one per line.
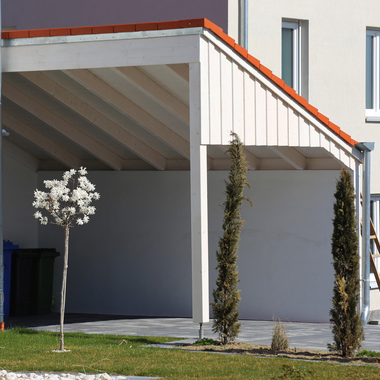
pixel 366 148
pixel 243 23
pixel 245 45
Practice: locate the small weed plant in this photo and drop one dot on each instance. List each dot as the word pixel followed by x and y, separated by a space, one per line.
pixel 369 354
pixel 290 372
pixel 280 339
pixel 206 342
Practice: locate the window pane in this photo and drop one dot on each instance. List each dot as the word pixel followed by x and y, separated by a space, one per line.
pixel 287 56
pixel 369 72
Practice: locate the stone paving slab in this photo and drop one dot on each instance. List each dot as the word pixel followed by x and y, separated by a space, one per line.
pixel 314 336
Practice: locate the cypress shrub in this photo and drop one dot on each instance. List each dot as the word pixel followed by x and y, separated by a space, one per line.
pixel 226 295
pixel 347 328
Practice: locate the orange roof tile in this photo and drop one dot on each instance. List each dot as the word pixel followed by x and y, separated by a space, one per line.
pixel 146 26
pixel 241 51
pixel 102 29
pixel 179 24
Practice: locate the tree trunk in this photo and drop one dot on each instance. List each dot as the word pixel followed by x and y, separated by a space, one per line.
pixel 63 289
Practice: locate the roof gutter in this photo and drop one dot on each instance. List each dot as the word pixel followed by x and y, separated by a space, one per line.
pixel 366 148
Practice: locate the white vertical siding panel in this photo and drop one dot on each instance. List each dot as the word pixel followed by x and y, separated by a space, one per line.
pixel 325 143
pixel 238 101
pixel 205 104
pixel 283 124
pixel 249 109
pixel 226 97
pixel 272 118
pixel 293 127
pixel 261 114
pixel 352 163
pixel 315 139
pixel 214 93
pixel 304 129
pixel 343 156
pixel 334 150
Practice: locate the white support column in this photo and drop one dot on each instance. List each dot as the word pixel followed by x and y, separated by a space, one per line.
pixel 199 211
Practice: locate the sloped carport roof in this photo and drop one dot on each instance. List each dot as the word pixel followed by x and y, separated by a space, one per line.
pixel 158 96
pixel 118 98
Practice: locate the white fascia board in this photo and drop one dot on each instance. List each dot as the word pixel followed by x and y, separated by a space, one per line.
pixel 92 51
pixel 352 151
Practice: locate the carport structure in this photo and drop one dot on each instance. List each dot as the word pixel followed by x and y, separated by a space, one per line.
pixel 159 96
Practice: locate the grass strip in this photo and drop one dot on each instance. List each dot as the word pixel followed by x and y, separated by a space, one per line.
pixel 25 350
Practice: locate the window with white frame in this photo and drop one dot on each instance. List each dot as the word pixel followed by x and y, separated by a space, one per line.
pixel 294 55
pixel 372 75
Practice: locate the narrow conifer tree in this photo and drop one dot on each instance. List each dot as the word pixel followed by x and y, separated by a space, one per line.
pixel 347 328
pixel 226 295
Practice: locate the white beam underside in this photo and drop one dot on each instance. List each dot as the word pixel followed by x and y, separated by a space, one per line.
pixel 154 91
pixel 97 118
pixel 291 156
pixel 131 110
pixel 62 126
pixel 45 144
pixel 100 54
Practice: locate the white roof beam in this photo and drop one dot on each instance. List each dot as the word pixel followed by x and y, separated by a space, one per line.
pixel 62 126
pixel 88 112
pixel 45 144
pixel 130 109
pixel 291 156
pixel 88 51
pixel 154 91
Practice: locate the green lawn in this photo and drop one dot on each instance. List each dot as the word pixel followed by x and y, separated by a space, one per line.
pixel 29 350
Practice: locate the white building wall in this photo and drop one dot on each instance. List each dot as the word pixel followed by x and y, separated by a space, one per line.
pixel 19 183
pixel 134 256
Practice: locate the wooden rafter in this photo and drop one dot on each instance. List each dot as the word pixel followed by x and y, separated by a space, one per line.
pixel 154 91
pixel 108 94
pixel 40 140
pixel 291 156
pixel 62 126
pixel 95 117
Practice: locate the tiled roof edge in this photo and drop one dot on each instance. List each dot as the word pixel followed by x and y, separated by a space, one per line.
pixel 179 24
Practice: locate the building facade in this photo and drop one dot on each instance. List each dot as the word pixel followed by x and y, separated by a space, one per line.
pixel 140 262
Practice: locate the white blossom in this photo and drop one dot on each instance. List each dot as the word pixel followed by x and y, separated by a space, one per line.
pixel 38 215
pixel 82 171
pixel 68 200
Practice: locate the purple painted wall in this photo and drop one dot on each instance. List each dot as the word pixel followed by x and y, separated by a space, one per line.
pixel 39 14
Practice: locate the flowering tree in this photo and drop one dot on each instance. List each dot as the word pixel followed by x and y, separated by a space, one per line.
pixel 67 202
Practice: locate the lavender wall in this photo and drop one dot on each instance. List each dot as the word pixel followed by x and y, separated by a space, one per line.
pixel 34 14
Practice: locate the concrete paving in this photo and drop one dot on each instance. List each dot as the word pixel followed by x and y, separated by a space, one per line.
pixel 313 336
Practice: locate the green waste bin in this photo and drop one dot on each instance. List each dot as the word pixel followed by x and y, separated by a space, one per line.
pixel 32 281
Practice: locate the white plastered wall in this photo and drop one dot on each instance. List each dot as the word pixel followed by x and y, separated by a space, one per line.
pixel 134 257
